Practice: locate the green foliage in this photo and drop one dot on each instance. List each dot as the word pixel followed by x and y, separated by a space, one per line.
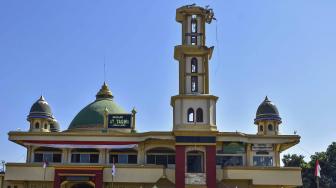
pixel 327 161
pixel 294 161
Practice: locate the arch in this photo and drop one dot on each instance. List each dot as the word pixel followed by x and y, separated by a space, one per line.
pixel 270 127
pixel 191 115
pixel 195 161
pixel 160 150
pixel 199 115
pixel 37 125
pixel 153 147
pixel 193 29
pixel 193 23
pixel 194 65
pixel 83 185
pixel 261 128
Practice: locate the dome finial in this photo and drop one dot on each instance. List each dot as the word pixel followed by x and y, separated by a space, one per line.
pixel 104 92
pixel 266 98
pixel 41 98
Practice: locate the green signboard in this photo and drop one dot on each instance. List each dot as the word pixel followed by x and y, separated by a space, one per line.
pixel 233 148
pixel 119 121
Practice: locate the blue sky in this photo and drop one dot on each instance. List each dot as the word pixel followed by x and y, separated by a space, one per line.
pixel 283 49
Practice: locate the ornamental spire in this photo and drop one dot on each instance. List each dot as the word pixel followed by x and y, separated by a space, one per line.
pixel 104 92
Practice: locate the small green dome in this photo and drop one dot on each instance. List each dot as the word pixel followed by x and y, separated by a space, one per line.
pixel 40 109
pixel 267 111
pixel 92 116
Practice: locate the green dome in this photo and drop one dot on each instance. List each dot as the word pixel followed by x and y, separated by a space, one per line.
pixel 92 116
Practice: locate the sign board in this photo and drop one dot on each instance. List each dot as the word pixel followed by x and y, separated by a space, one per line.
pixel 233 148
pixel 262 147
pixel 121 121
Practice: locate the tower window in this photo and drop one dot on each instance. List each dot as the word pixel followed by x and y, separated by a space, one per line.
pixel 193 29
pixel 194 83
pixel 199 115
pixel 45 126
pixel 270 127
pixel 194 65
pixel 37 125
pixel 194 24
pixel 191 115
pixel 261 128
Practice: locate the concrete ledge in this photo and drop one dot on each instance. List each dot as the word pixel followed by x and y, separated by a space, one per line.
pixel 288 176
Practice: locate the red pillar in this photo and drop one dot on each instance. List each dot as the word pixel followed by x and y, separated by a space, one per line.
pixel 99 179
pixel 57 180
pixel 211 166
pixel 180 167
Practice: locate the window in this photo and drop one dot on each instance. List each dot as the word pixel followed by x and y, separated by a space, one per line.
pixel 45 126
pixel 194 24
pixel 261 128
pixel 49 157
pixel 270 127
pixel 195 162
pixel 229 160
pixel 194 65
pixel 199 115
pixel 124 158
pixel 190 115
pixel 52 155
pixel 37 125
pixel 161 156
pixel 193 30
pixel 85 156
pixel 262 161
pixel 194 83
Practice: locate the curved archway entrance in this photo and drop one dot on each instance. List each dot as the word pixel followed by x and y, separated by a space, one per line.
pixel 82 185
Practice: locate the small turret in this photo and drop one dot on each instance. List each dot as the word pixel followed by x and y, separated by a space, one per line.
pixel 41 118
pixel 267 118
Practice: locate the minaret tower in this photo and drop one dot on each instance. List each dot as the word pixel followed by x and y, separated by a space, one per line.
pixel 194 108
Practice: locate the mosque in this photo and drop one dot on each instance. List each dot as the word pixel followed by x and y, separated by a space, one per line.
pixel 101 147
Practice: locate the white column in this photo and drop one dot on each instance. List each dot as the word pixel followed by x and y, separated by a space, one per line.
pixel 68 160
pixel 64 155
pixel 102 156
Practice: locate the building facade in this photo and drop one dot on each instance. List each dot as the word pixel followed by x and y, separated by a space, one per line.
pixel 101 147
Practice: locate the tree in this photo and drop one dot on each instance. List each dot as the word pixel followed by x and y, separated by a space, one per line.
pixel 327 161
pixel 294 161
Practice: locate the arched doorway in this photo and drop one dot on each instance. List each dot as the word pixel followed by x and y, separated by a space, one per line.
pixel 82 185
